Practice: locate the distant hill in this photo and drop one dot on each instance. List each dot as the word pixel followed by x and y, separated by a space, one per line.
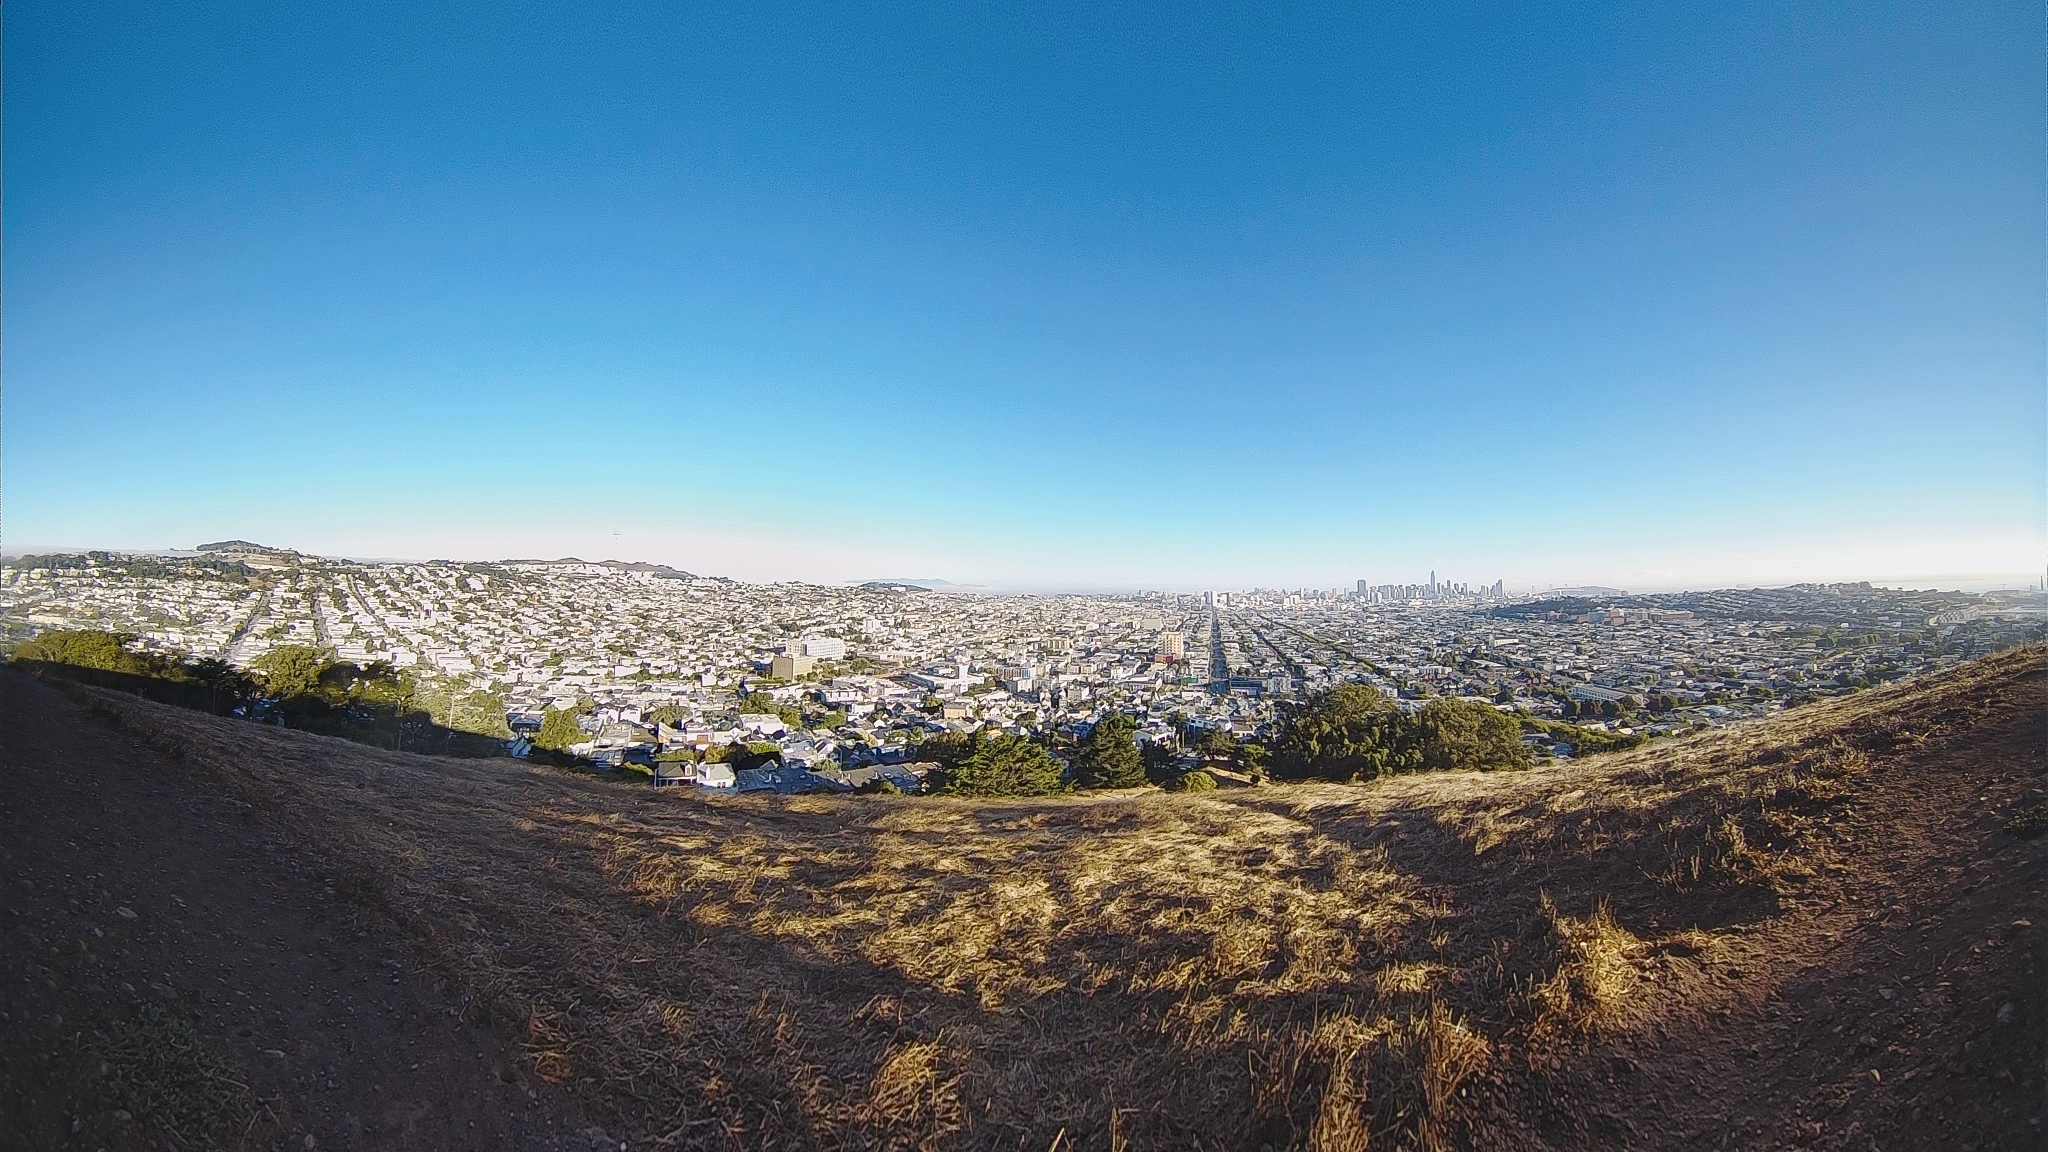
pixel 1729 933
pixel 1564 605
pixel 892 586
pixel 642 566
pixel 661 570
pixel 243 546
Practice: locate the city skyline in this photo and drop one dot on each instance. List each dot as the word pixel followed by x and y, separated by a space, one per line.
pixel 1649 299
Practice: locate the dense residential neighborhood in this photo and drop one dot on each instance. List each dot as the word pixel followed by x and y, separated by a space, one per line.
pixel 835 688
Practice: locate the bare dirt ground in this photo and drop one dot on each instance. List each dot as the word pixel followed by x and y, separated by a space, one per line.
pixel 1819 931
pixel 174 976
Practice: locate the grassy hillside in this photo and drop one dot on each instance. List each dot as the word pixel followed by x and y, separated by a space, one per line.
pixel 1442 960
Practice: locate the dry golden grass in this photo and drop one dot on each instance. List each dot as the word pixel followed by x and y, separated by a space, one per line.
pixel 1320 966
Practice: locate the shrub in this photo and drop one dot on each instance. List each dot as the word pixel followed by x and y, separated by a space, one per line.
pixel 1195 780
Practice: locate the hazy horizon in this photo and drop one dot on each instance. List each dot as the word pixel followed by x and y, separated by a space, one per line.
pixel 1950 581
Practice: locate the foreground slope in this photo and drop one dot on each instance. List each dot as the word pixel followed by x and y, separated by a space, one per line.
pixel 1810 931
pixel 172 976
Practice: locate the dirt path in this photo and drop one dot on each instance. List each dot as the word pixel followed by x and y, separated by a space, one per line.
pixel 171 972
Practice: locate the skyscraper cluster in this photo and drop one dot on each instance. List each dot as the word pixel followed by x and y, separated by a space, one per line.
pixel 1434 590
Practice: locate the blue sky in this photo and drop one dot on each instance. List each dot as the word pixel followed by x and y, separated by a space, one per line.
pixel 1049 296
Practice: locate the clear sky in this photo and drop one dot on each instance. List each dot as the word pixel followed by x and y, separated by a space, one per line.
pixel 1030 295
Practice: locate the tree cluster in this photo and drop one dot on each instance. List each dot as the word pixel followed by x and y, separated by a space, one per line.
pixel 762 704
pixel 998 764
pixel 1584 741
pixel 306 685
pixel 203 680
pixel 1352 732
pixel 106 651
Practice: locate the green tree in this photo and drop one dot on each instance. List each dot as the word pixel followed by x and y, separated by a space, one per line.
pixel 1351 732
pixel 218 674
pixel 379 684
pixel 1217 744
pixel 762 704
pixel 1584 741
pixel 1159 763
pixel 87 649
pixel 1192 781
pixel 946 748
pixel 558 730
pixel 669 714
pixel 1001 765
pixel 1465 734
pixel 1253 757
pixel 1340 733
pixel 479 712
pixel 749 756
pixel 293 670
pixel 1109 757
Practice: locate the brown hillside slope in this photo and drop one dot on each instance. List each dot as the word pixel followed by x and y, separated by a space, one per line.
pixel 1811 931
